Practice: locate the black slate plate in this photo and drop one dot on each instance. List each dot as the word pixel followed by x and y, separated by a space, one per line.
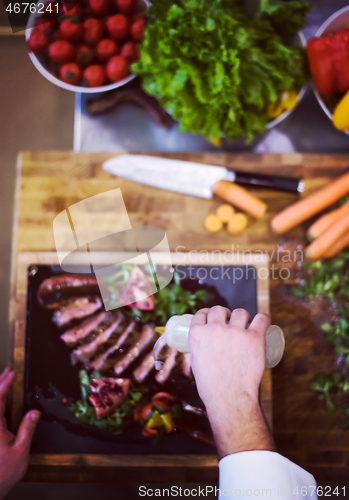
pixel 50 377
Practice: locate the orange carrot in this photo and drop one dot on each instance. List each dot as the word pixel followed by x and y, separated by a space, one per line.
pixel 306 208
pixel 324 243
pixel 240 197
pixel 325 222
pixel 339 245
pixel 237 223
pixel 213 223
pixel 225 212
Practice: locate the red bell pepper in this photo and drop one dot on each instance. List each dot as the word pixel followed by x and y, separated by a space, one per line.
pixel 320 55
pixel 329 62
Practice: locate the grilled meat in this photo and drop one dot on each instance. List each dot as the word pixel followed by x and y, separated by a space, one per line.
pixel 172 359
pixel 80 333
pixel 109 329
pixel 108 358
pixel 147 338
pixel 56 292
pixel 76 309
pixel 186 366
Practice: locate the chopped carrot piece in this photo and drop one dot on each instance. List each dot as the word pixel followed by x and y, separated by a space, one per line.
pixel 225 212
pixel 237 223
pixel 213 223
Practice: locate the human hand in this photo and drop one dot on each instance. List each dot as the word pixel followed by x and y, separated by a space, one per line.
pixel 14 450
pixel 228 362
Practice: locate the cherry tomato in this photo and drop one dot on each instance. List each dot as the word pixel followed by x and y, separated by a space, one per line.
pixel 47 26
pixel 118 26
pixel 94 75
pixel 71 30
pixel 70 73
pixel 149 432
pixel 84 55
pixel 137 413
pixel 117 68
pixel 165 397
pixel 137 30
pixel 146 410
pixel 99 7
pixel 107 48
pixel 126 6
pixel 38 42
pixel 61 51
pixel 130 51
pixel 73 10
pixel 93 31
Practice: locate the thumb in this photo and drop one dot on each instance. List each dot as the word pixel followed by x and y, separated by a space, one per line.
pixel 26 430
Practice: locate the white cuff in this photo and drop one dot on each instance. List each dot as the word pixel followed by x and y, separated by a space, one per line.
pixel 264 474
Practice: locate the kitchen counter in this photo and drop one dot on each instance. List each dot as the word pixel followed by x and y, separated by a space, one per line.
pixel 129 128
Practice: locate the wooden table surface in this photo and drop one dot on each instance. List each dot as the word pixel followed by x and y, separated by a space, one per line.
pixel 48 182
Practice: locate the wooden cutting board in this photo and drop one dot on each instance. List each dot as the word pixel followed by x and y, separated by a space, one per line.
pixel 49 182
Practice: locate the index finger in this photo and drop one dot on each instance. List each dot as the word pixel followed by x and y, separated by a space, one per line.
pixel 260 324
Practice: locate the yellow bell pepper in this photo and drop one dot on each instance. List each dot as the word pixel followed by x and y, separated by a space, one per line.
pixel 341 114
pixel 155 420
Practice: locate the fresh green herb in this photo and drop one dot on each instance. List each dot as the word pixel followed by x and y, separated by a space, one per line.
pixel 215 69
pixel 171 300
pixel 122 416
pixel 329 281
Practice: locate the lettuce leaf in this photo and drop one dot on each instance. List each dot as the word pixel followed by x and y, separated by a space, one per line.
pixel 215 69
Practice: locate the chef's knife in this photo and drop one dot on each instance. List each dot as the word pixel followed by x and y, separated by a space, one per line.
pixel 196 179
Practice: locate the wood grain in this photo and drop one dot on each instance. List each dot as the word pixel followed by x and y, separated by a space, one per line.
pixel 51 181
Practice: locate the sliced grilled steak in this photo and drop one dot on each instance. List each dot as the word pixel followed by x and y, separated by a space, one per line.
pixel 113 328
pixel 77 308
pixel 147 337
pixel 186 366
pixel 81 332
pixel 172 358
pixel 144 368
pixel 108 358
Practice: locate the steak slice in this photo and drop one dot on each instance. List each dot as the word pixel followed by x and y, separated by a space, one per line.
pixel 76 309
pixel 80 333
pixel 147 337
pixel 108 394
pixel 103 340
pixel 172 358
pixel 144 368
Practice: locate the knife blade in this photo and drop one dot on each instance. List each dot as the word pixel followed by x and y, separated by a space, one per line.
pixel 195 179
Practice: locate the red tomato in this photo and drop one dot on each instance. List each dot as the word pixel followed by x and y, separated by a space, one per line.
pixel 61 51
pixel 118 26
pixel 149 432
pixel 165 397
pixel 70 73
pixel 70 30
pixel 117 68
pixel 106 49
pixel 137 30
pixel 38 42
pixel 93 31
pixel 138 15
pixel 130 51
pixel 73 10
pixel 94 75
pixel 146 410
pixel 99 7
pixel 47 26
pixel 84 55
pixel 126 6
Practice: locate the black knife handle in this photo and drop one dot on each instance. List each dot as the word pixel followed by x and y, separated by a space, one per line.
pixel 277 182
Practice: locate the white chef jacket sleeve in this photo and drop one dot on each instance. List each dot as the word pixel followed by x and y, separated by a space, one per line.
pixel 264 474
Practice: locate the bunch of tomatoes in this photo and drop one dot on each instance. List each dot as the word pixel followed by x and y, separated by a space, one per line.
pixel 91 42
